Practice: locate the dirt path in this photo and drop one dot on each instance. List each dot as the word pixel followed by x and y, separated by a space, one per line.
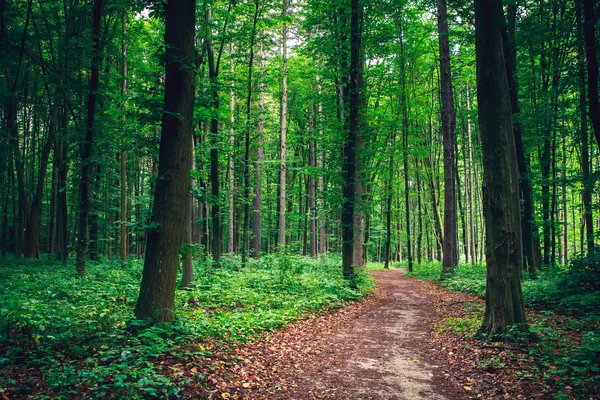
pixel 376 349
pixel 384 353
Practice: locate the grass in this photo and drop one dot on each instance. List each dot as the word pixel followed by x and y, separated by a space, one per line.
pixel 563 312
pixel 63 335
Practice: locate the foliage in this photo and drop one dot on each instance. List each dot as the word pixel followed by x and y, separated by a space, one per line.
pixel 79 335
pixel 567 355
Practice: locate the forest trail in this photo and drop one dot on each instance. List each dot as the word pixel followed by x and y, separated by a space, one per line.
pixel 379 348
pixel 383 352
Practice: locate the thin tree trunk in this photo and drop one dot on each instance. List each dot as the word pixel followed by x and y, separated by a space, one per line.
pixel 283 138
pixel 246 233
pixel 312 186
pixel 389 201
pixel 230 165
pixel 258 200
pixel 123 153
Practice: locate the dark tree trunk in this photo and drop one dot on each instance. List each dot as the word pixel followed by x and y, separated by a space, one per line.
pixel 312 189
pixel 589 35
pixel 504 247
pixel 86 148
pixel 123 153
pixel 448 116
pixel 586 196
pixel 528 225
pixel 389 200
pixel 353 122
pixel 246 233
pixel 404 102
pixel 32 233
pixel 171 196
pixel 260 151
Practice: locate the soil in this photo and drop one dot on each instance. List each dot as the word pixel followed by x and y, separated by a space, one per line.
pixel 380 348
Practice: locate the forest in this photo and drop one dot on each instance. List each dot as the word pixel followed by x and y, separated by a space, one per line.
pixel 299 199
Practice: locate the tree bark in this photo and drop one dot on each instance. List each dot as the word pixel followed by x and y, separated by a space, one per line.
pixel 528 225
pixel 589 35
pixel 86 150
pixel 504 246
pixel 258 200
pixel 586 196
pixel 448 116
pixel 123 153
pixel 283 139
pixel 246 227
pixel 171 197
pixel 353 122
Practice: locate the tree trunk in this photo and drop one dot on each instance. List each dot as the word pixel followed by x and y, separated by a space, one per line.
pixel 246 228
pixel 283 123
pixel 230 166
pixel 32 233
pixel 171 196
pixel 589 35
pixel 504 246
pixel 353 122
pixel 123 153
pixel 260 151
pixel 586 196
pixel 86 151
pixel 448 116
pixel 528 225
pixel 389 201
pixel 312 186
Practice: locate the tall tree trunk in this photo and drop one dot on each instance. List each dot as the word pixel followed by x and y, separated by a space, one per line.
pixel 589 35
pixel 353 122
pixel 213 74
pixel 389 201
pixel 246 228
pixel 32 233
pixel 283 139
pixel 230 166
pixel 312 185
pixel 320 165
pixel 258 200
pixel 586 196
pixel 123 153
pixel 171 196
pixel 504 246
pixel 86 151
pixel 448 116
pixel 528 225
pixel 470 176
pixel 419 216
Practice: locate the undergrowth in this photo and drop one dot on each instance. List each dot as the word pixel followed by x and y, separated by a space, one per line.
pixel 563 313
pixel 64 336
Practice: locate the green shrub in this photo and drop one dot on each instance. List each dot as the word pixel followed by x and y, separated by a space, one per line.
pixel 81 333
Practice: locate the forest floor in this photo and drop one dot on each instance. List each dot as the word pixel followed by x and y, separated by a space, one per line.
pixel 383 347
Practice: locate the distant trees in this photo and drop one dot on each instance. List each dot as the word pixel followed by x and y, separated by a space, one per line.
pixel 390 101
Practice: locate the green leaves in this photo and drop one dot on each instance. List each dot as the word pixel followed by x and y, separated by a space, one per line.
pixel 80 333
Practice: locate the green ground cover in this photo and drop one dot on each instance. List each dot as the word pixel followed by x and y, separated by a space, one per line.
pixel 73 335
pixel 562 310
